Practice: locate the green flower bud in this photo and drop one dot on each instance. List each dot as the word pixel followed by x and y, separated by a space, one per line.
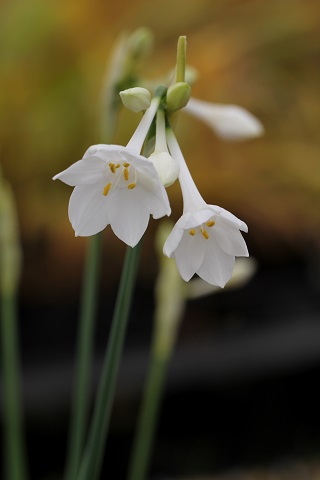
pixel 136 99
pixel 178 96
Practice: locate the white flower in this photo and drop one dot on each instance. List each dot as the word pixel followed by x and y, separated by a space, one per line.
pixel 228 121
pixel 166 166
pixel 207 238
pixel 116 185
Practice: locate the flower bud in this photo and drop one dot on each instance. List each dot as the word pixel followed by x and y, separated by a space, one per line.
pixel 166 166
pixel 178 96
pixel 136 99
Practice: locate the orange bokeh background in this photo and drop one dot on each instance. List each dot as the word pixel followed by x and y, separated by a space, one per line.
pixel 260 54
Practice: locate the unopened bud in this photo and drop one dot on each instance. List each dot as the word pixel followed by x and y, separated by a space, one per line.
pixel 178 96
pixel 166 166
pixel 136 99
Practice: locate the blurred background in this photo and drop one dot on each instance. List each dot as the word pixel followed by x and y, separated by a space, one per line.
pixel 242 390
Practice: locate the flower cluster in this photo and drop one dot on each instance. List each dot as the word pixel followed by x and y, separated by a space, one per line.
pixel 120 187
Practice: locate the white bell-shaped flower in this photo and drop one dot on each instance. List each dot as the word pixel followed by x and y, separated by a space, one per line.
pixel 116 185
pixel 206 239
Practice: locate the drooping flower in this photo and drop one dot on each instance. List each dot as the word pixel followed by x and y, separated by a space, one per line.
pixel 206 239
pixel 116 185
pixel 230 122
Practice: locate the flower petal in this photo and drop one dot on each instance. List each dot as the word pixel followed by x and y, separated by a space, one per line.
pixel 232 219
pixel 217 266
pixel 230 122
pixel 230 239
pixel 189 255
pixel 88 209
pixel 84 172
pixel 128 215
pixel 173 241
pixel 154 194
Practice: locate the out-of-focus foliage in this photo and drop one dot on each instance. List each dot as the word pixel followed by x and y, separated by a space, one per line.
pixel 260 54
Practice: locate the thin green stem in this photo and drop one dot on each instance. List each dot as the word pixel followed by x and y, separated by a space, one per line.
pixel 80 403
pixel 92 459
pixel 147 420
pixel 15 459
pixel 181 59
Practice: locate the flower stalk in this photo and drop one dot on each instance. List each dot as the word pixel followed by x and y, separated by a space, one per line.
pixel 80 403
pixel 93 455
pixel 15 462
pixel 170 302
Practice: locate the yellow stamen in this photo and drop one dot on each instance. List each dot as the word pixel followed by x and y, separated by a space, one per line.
pixel 192 232
pixel 126 174
pixel 204 233
pixel 131 186
pixel 210 223
pixel 112 167
pixel 126 164
pixel 118 165
pixel 107 189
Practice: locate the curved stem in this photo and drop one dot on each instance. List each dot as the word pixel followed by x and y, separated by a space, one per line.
pixel 92 459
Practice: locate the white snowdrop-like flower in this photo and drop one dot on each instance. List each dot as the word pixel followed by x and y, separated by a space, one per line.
pixel 116 185
pixel 229 122
pixel 206 239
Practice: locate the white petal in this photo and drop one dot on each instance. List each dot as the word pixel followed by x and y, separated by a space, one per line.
pixel 217 266
pixel 196 218
pixel 230 239
pixel 108 153
pixel 153 193
pixel 189 254
pixel 128 215
pixel 172 241
pixel 88 209
pixel 84 172
pixel 230 122
pixel 233 220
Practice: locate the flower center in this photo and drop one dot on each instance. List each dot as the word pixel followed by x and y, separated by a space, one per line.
pixel 121 175
pixel 202 229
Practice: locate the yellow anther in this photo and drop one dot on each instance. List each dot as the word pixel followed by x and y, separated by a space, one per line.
pixel 107 189
pixel 126 174
pixel 204 233
pixel 126 164
pixel 192 232
pixel 210 223
pixel 131 186
pixel 112 167
pixel 118 165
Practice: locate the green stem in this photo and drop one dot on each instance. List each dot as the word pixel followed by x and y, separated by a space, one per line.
pixel 80 403
pixel 181 59
pixel 147 420
pixel 92 459
pixel 15 460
